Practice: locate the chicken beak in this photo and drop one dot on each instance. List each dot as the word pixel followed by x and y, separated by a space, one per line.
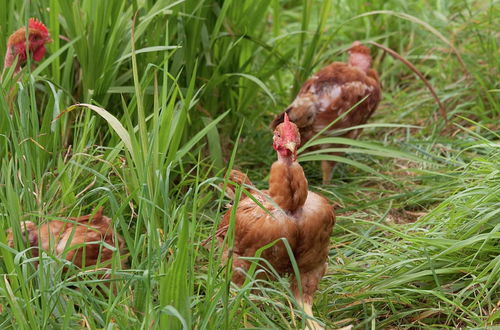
pixel 292 146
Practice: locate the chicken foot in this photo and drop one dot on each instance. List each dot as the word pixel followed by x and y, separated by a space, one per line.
pixel 310 324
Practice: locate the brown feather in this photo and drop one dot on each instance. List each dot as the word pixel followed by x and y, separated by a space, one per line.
pixel 358 47
pixel 288 186
pixel 78 240
pixel 332 92
pixel 239 178
pixel 286 211
pixel 304 218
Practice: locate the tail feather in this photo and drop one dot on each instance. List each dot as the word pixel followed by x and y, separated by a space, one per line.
pixel 358 47
pixel 238 178
pixel 359 56
pixel 219 234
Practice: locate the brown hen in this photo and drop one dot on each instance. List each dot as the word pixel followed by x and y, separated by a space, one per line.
pixel 329 94
pixel 304 218
pixel 38 37
pixel 81 240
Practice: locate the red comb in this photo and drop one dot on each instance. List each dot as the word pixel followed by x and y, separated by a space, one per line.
pixel 289 127
pixel 35 24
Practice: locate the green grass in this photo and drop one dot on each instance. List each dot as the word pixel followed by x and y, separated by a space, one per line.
pixel 186 94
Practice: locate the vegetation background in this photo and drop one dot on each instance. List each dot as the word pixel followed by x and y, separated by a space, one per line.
pixel 183 90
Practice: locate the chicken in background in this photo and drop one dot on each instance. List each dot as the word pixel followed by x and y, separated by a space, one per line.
pixel 329 94
pixel 38 36
pixel 292 212
pixel 81 240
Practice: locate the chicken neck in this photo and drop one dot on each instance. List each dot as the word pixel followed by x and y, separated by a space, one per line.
pixel 288 184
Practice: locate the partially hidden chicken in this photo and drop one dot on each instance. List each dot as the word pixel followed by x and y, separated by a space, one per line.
pixel 38 37
pixel 292 212
pixel 332 92
pixel 82 241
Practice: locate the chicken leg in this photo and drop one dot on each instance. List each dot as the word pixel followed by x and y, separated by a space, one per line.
pixel 309 286
pixel 326 168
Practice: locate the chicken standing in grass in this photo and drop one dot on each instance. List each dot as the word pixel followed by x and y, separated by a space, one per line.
pixel 304 218
pixel 38 36
pixel 332 92
pixel 84 241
